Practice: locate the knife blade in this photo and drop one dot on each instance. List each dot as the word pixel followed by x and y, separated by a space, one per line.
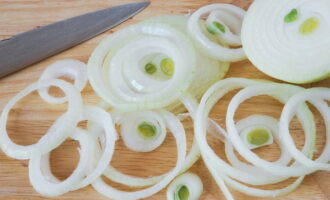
pixel 32 46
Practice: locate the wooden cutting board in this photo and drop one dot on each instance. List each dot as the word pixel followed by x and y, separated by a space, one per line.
pixel 31 117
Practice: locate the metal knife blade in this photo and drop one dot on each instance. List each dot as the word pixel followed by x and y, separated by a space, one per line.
pixel 30 47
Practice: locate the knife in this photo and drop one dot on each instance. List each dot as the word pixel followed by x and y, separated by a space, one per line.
pixel 32 46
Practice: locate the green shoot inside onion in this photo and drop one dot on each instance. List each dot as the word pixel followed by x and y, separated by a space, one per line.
pixel 215 28
pixel 147 130
pixel 258 136
pixel 150 68
pixel 167 66
pixel 291 16
pixel 309 26
pixel 182 193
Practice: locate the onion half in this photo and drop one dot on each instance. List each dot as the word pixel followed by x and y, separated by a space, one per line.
pixel 288 39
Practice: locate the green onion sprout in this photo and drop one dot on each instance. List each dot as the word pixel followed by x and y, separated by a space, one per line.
pixel 309 26
pixel 258 136
pixel 147 130
pixel 150 68
pixel 291 16
pixel 167 66
pixel 182 193
pixel 215 27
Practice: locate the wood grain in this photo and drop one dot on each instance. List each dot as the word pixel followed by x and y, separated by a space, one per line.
pixel 31 117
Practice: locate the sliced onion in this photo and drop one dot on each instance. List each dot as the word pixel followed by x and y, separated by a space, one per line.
pixel 43 180
pixel 102 158
pixel 315 96
pixel 68 68
pixel 275 90
pixel 257 120
pixel 142 90
pixel 47 184
pixel 134 181
pixel 218 179
pixel 208 70
pixel 133 140
pixel 164 62
pixel 111 172
pixel 185 186
pixel 230 18
pixel 274 39
pixel 262 192
pixel 178 132
pixel 116 67
pixel 56 134
pixel 222 171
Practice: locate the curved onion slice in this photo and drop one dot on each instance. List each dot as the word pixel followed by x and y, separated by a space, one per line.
pixel 208 70
pixel 315 96
pixel 257 120
pixel 134 181
pixel 288 40
pixel 112 173
pixel 119 70
pixel 56 134
pixel 178 132
pixel 224 21
pixel 101 117
pixel 185 186
pixel 46 184
pixel 142 131
pixel 69 68
pixel 275 90
pixel 43 180
pixel 222 171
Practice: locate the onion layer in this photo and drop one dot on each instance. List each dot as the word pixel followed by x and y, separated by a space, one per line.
pixel 86 172
pixel 315 96
pixel 43 180
pixel 222 171
pixel 72 69
pixel 224 21
pixel 56 134
pixel 117 67
pixel 178 132
pixel 142 131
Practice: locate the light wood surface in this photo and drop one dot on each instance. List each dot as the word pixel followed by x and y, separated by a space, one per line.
pixel 31 117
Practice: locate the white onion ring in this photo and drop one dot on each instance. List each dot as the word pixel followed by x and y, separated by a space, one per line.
pixel 141 40
pixel 102 158
pixel 226 13
pixel 47 184
pixel 208 70
pixel 134 181
pixel 315 97
pixel 219 168
pixel 43 180
pixel 68 68
pixel 132 139
pixel 55 135
pixel 254 120
pixel 178 132
pixel 272 90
